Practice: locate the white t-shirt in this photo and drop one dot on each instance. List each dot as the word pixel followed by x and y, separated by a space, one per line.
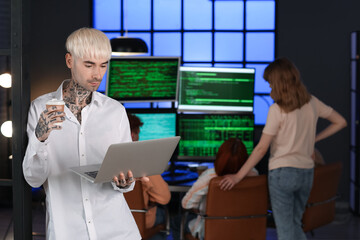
pixel 294 134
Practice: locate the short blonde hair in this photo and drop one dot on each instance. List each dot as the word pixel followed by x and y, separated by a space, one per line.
pixel 88 42
pixel 287 89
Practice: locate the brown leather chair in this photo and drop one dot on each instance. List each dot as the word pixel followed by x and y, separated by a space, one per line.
pixel 135 200
pixel 239 213
pixel 320 208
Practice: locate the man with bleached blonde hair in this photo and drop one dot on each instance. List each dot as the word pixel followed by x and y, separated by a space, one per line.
pixel 80 135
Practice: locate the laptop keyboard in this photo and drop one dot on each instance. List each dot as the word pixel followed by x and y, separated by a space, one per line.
pixel 92 174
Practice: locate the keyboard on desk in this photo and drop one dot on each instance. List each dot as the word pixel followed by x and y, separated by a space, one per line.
pixel 179 176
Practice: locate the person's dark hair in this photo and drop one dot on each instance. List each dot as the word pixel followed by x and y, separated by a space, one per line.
pixel 231 157
pixel 135 122
pixel 287 89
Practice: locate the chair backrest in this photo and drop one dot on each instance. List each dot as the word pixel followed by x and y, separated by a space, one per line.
pixel 320 209
pixel 135 201
pixel 239 213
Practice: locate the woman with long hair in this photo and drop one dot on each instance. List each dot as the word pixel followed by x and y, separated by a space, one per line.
pixel 291 130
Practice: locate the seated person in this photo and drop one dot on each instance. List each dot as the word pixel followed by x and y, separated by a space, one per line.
pixel 155 189
pixel 231 156
pixel 318 158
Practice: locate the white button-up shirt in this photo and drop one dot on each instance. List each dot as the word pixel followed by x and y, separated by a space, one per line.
pixel 76 208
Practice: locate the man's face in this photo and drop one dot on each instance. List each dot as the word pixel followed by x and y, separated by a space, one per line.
pixel 87 72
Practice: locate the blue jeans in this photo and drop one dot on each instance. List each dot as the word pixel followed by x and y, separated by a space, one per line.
pixel 289 191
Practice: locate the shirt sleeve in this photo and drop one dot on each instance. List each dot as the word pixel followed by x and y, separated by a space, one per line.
pixel 323 110
pixel 255 171
pixel 125 189
pixel 193 197
pixel 35 164
pixel 157 190
pixel 273 120
pixel 125 133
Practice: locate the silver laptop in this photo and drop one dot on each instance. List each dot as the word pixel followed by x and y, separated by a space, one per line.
pixel 143 158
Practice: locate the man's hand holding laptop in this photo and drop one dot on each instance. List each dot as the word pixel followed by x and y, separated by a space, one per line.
pixel 123 182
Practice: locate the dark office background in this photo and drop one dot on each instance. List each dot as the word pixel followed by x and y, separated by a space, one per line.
pixel 314 34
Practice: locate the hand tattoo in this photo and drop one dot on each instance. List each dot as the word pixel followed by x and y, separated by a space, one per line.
pixel 47 122
pixel 42 127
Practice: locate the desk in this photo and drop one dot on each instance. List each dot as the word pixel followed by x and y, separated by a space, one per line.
pixel 180 179
pixel 179 188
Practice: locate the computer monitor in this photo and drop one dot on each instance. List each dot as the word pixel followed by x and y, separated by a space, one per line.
pixel 203 134
pixel 140 79
pixel 215 89
pixel 156 125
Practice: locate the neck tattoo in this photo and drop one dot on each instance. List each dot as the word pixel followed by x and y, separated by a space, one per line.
pixel 76 97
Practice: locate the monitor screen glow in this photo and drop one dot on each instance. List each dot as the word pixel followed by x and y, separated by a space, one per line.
pixel 203 134
pixel 157 125
pixel 143 79
pixel 214 89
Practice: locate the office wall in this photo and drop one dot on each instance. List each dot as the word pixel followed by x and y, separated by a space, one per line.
pixel 316 36
pixel 5 143
pixel 51 23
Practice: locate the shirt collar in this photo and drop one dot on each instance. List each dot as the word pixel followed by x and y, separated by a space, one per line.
pixel 96 98
pixel 59 93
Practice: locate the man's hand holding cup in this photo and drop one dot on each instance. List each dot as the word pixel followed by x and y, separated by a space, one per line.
pixel 50 119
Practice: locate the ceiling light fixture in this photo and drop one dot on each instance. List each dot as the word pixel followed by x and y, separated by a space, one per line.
pixel 127 46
